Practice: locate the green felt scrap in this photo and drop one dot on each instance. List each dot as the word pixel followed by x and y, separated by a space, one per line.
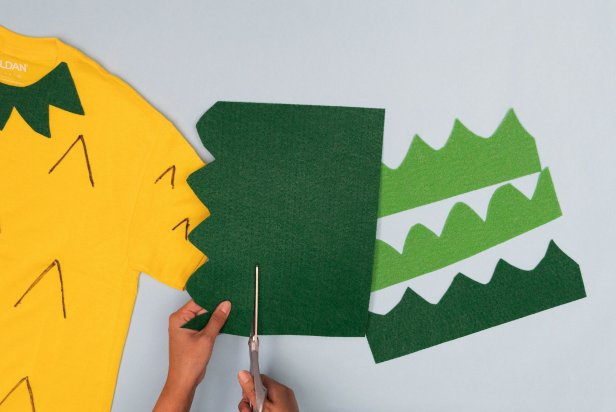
pixel 465 234
pixel 294 188
pixel 32 102
pixel 466 162
pixel 468 307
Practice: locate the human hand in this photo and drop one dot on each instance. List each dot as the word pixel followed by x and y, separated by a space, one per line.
pixel 189 354
pixel 279 397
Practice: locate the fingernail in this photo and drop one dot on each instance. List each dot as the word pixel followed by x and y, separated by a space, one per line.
pixel 244 376
pixel 225 307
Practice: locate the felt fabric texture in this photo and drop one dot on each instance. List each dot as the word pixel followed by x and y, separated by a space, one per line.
pixel 55 89
pixel 81 214
pixel 466 162
pixel 295 189
pixel 468 307
pixel 465 233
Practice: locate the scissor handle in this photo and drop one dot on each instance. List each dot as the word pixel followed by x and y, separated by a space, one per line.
pixel 260 390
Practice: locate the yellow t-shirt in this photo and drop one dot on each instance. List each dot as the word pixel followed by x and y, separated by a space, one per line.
pixel 92 191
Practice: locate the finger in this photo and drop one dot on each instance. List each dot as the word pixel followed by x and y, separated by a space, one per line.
pixel 244 406
pixel 192 306
pixel 217 320
pixel 248 386
pixel 267 381
pixel 275 389
pixel 185 313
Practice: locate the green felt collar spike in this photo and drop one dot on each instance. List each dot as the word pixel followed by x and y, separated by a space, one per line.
pixel 468 306
pixel 466 162
pixel 294 188
pixel 465 234
pixel 56 88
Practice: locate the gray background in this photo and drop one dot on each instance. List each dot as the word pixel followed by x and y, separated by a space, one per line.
pixel 426 63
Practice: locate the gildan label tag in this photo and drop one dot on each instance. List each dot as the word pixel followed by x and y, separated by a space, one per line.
pixel 7 64
pixel 13 70
pixel 20 72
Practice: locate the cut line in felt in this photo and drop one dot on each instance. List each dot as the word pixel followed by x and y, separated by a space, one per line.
pixel 25 380
pixel 56 88
pixel 294 188
pixel 55 263
pixel 465 234
pixel 466 162
pixel 469 307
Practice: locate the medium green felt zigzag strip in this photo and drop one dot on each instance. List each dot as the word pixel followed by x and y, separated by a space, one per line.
pixel 465 234
pixel 469 307
pixel 466 162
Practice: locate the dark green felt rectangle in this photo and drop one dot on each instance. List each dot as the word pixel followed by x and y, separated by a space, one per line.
pixel 294 188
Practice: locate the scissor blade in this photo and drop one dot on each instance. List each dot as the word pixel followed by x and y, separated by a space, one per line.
pixel 253 345
pixel 255 321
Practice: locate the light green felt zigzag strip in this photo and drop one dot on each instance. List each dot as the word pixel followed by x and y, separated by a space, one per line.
pixel 465 234
pixel 466 162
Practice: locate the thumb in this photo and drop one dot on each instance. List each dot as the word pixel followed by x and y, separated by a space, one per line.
pixel 217 320
pixel 248 386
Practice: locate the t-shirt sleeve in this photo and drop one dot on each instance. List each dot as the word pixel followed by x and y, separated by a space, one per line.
pixel 166 208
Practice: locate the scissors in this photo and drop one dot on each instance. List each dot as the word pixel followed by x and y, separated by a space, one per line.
pixel 253 348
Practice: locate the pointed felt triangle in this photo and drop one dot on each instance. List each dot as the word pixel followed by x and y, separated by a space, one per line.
pixel 36 114
pixel 56 88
